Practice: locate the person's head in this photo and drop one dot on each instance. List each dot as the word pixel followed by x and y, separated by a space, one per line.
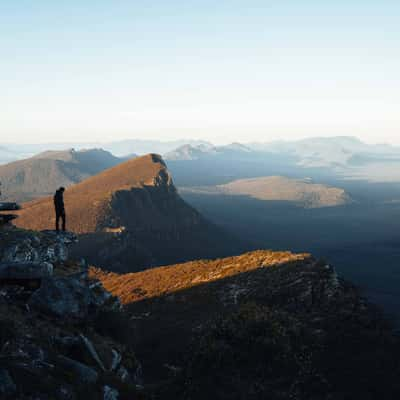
pixel 62 189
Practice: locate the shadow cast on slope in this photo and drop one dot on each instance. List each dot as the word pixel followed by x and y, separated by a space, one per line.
pixel 330 320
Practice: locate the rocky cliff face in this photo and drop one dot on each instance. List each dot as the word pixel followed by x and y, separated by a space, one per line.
pixel 131 217
pixel 59 335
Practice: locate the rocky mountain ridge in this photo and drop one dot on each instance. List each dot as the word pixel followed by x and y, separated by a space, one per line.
pixel 261 325
pixel 130 217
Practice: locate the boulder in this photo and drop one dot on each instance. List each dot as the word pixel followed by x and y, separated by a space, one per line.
pixel 25 270
pixel 62 297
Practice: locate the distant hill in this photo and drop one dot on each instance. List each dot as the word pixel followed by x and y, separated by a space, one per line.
pixel 42 174
pixel 302 193
pixel 130 217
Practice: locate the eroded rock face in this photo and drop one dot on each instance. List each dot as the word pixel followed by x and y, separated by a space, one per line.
pixel 20 246
pixel 62 297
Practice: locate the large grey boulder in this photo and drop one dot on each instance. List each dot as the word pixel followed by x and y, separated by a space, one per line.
pixel 62 297
pixel 25 270
pixel 68 297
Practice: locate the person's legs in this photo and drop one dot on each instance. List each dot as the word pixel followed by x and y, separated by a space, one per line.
pixel 57 221
pixel 63 217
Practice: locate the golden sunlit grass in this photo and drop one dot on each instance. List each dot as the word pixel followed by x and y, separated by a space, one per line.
pixel 161 281
pixel 87 202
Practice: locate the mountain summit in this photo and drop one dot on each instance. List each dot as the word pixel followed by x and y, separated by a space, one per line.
pixel 130 217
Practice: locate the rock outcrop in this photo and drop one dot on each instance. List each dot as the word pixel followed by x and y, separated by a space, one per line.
pixel 4 217
pixel 55 342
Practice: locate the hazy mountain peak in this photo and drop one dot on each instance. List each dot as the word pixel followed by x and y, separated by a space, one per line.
pixel 40 175
pixel 235 146
pixel 190 152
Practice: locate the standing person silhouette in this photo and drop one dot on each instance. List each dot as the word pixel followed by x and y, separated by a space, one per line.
pixel 59 208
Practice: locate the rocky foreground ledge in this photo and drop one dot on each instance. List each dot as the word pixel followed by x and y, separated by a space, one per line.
pixel 61 334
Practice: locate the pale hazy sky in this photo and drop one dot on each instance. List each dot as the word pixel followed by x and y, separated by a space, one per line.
pixel 218 70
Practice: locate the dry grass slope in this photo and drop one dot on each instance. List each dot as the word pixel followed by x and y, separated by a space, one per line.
pixel 88 201
pixel 165 280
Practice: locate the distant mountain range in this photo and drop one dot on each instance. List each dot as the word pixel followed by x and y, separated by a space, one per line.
pixel 319 158
pixel 42 174
pixel 332 152
pixel 197 163
pixel 301 193
pixel 123 148
pixel 314 152
pixel 130 217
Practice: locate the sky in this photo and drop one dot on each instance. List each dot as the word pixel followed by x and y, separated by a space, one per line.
pixel 221 71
